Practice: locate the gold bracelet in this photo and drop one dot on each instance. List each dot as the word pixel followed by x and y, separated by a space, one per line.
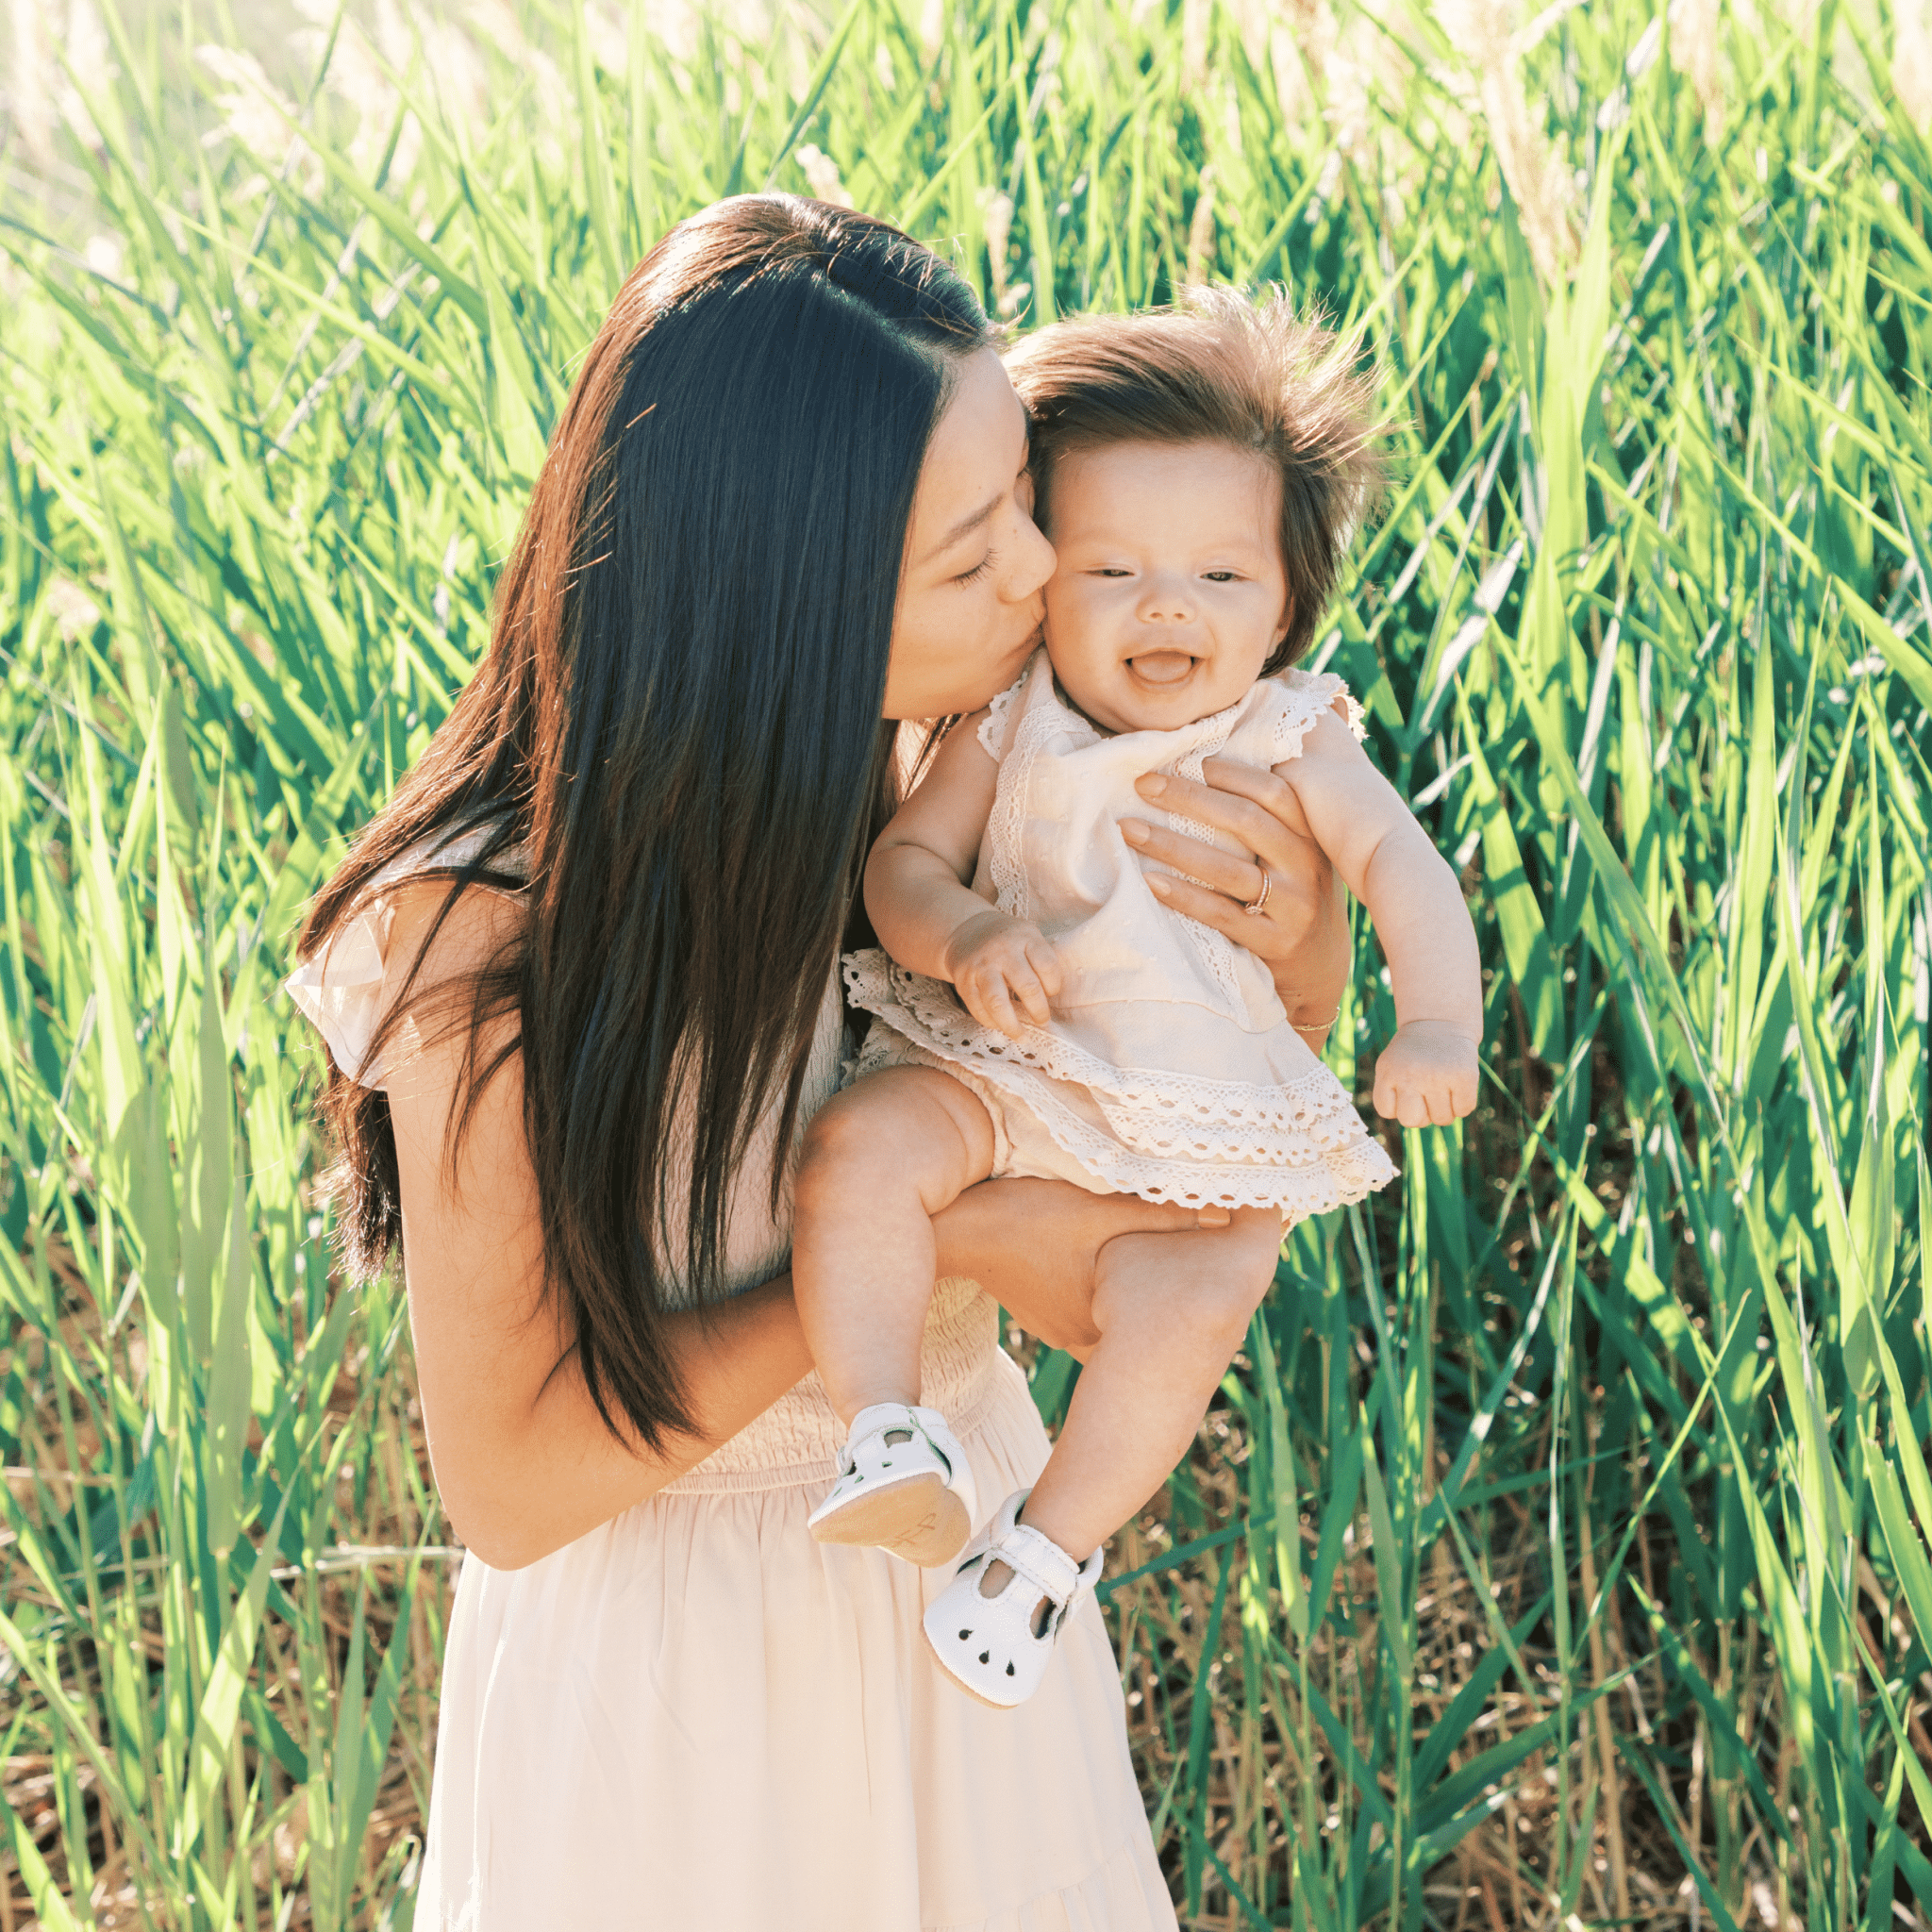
pixel 1325 1025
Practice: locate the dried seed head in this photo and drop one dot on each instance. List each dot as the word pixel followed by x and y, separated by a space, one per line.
pixel 1481 32
pixel 1693 54
pixel 255 112
pixel 822 176
pixel 1911 58
pixel 1201 231
pixel 32 82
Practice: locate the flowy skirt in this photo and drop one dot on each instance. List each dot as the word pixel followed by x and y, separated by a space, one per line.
pixel 696 1716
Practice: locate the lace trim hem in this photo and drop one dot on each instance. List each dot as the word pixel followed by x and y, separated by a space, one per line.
pixel 1302 1145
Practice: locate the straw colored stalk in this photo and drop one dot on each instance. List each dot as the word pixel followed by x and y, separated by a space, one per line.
pixel 1481 32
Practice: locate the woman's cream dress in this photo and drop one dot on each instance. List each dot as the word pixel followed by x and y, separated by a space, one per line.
pixel 697 1719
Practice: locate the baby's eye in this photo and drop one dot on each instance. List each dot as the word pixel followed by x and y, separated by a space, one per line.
pixel 1221 576
pixel 1108 570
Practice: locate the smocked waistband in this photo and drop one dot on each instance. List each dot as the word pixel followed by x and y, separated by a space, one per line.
pixel 733 1476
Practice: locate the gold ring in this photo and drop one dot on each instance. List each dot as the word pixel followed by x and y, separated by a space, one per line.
pixel 1260 899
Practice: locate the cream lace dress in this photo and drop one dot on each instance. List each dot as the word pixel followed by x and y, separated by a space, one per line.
pixel 1169 1069
pixel 697 1719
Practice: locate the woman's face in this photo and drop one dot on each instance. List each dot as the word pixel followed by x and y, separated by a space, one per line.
pixel 969 610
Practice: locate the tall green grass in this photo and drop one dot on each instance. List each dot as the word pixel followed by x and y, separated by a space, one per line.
pixel 1557 1554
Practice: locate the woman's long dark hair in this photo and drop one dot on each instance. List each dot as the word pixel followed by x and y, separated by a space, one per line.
pixel 677 726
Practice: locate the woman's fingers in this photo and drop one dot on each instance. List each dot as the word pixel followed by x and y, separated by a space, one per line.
pixel 1225 872
pixel 1261 812
pixel 1219 911
pixel 1246 802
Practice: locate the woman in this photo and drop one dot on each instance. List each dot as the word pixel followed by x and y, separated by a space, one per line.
pixel 786 507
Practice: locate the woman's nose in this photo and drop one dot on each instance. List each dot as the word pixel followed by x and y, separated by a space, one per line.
pixel 1033 562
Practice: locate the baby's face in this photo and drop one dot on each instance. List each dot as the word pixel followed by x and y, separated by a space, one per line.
pixel 1170 593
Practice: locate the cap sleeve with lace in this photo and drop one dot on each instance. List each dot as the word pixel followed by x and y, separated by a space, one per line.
pixel 1306 695
pixel 340 989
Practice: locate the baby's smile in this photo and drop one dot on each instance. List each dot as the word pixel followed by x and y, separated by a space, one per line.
pixel 1163 669
pixel 1170 593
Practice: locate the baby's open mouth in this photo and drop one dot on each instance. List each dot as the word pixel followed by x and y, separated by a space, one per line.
pixel 1162 666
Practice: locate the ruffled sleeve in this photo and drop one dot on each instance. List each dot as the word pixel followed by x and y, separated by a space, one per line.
pixel 341 988
pixel 340 991
pixel 1307 696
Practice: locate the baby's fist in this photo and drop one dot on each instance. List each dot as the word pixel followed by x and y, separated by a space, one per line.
pixel 1426 1075
pixel 997 965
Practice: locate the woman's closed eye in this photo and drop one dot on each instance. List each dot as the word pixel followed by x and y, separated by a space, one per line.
pixel 978 569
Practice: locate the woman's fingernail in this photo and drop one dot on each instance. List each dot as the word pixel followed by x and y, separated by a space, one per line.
pixel 1159 887
pixel 1133 831
pixel 1152 785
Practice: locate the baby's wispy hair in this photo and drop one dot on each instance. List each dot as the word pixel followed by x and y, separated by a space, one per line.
pixel 1218 368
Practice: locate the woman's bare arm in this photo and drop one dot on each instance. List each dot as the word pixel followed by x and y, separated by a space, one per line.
pixel 523 1460
pixel 1032 1245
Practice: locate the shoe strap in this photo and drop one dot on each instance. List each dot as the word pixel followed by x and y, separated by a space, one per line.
pixel 882 1417
pixel 1036 1557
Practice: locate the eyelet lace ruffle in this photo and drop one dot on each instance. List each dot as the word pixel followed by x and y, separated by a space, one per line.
pixel 1298 1145
pixel 995 727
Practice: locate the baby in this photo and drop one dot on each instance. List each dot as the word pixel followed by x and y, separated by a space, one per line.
pixel 1042 1009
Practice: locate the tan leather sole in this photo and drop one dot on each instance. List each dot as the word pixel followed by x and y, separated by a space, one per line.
pixel 920 1520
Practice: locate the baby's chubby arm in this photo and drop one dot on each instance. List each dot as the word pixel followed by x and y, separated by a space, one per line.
pixel 1427 1073
pixel 925 913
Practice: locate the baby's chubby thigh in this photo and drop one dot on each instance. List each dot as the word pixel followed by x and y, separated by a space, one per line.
pixel 902 1133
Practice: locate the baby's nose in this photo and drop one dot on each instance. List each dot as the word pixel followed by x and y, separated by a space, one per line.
pixel 1167 604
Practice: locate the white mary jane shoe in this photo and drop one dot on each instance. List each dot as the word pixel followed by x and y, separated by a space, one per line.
pixel 903 1485
pixel 988 1645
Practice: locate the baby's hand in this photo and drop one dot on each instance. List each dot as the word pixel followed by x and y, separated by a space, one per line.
pixel 996 963
pixel 1426 1075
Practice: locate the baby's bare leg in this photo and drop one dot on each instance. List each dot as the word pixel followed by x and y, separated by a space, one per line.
pixel 879 1160
pixel 1172 1310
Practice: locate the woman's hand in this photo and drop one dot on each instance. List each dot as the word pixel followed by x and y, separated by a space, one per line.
pixel 1300 932
pixel 1032 1244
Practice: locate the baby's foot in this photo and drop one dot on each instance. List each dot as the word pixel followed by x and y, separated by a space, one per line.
pixel 903 1486
pixel 993 1627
